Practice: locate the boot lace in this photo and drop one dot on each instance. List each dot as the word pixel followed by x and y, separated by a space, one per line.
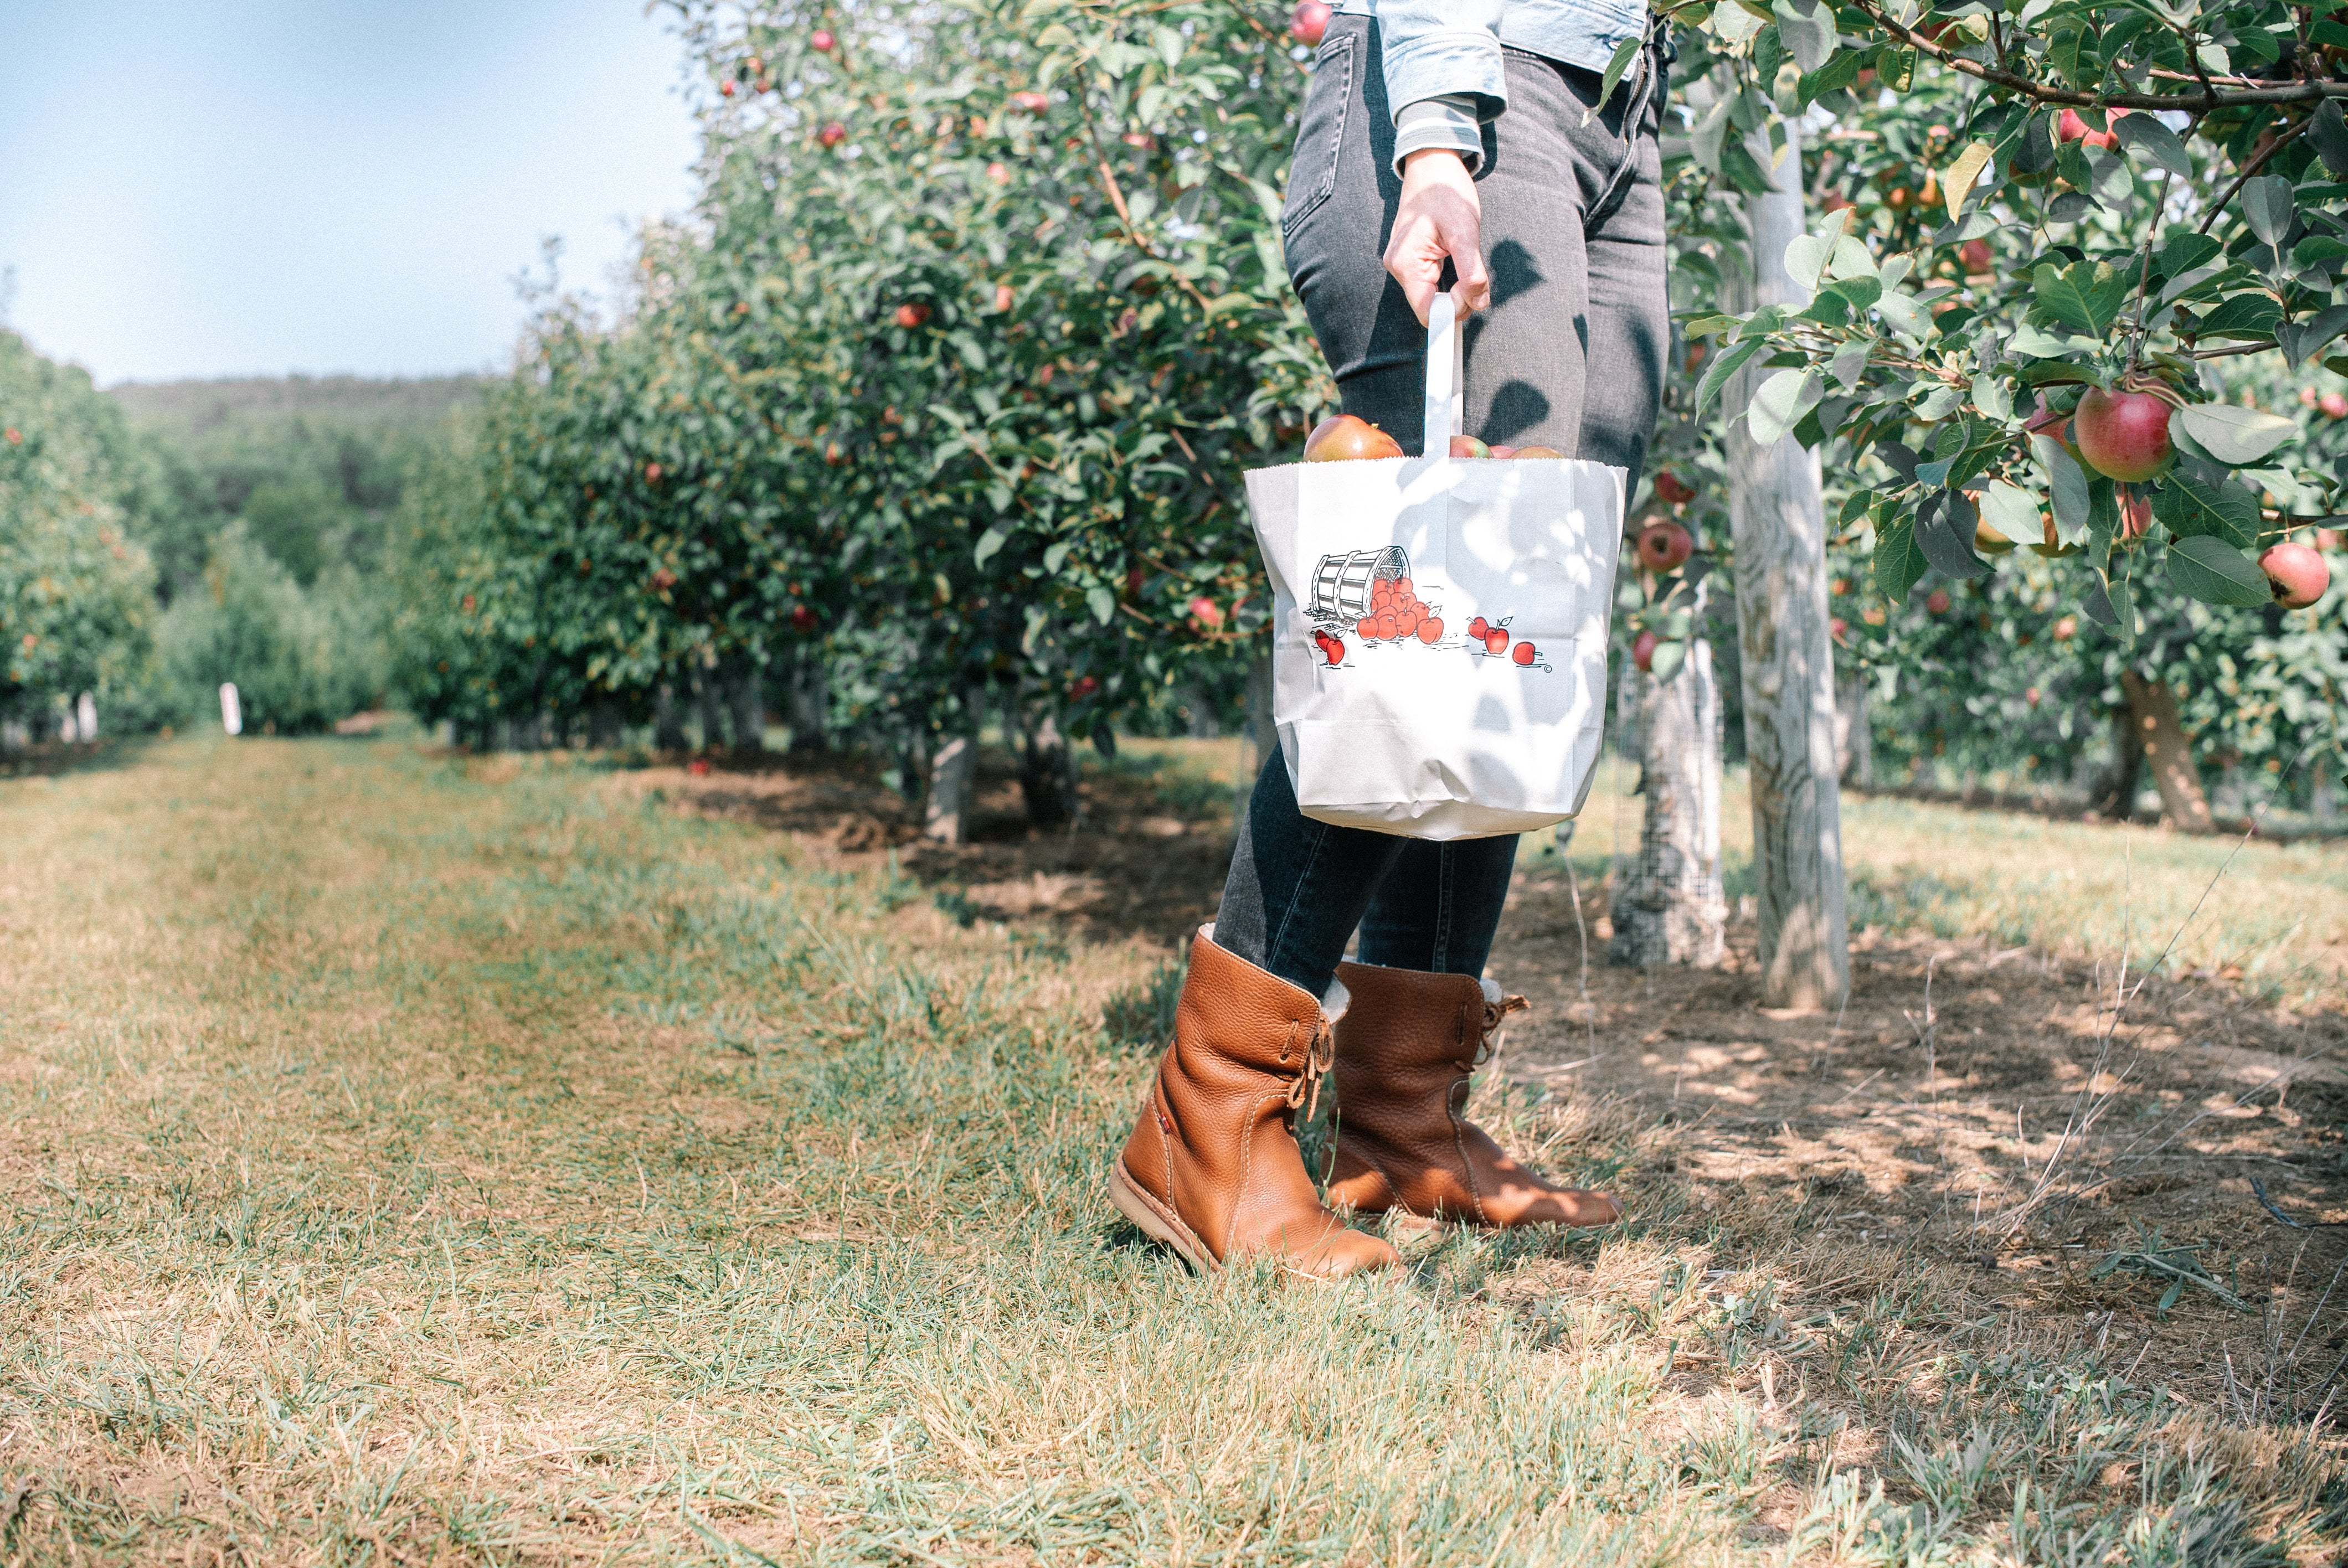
pixel 1320 1056
pixel 1493 1013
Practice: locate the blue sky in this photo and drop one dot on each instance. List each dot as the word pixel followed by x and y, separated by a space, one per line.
pixel 200 187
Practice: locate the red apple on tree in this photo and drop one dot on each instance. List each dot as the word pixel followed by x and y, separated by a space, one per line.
pixel 821 40
pixel 832 135
pixel 1663 546
pixel 913 313
pixel 802 617
pixel 2072 127
pixel 1973 257
pixel 1309 22
pixel 2300 574
pixel 1937 601
pixel 1344 437
pixel 1206 612
pixel 652 473
pixel 2122 434
pixel 2065 628
pixel 726 87
pixel 2333 405
pixel 1672 490
pixel 1032 102
pixel 1642 650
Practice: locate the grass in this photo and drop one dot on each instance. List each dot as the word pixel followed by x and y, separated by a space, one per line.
pixel 416 1161
pixel 2277 918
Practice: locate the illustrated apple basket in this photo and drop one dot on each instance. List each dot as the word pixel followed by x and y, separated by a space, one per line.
pixel 1343 585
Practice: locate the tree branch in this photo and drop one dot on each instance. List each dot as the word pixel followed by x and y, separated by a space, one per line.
pixel 2216 99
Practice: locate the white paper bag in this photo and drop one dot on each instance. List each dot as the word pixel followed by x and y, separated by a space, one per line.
pixel 1410 727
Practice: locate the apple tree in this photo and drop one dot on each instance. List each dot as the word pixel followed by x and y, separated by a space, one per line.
pixel 76 598
pixel 2064 243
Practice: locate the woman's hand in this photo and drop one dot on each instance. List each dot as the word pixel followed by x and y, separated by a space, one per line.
pixel 1440 216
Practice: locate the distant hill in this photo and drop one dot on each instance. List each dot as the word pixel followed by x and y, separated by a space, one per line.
pixel 190 408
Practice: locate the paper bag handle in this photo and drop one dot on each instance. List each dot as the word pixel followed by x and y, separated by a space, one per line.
pixel 1446 397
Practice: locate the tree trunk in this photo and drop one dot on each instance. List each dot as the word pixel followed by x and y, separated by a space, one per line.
pixel 946 810
pixel 2154 731
pixel 1667 906
pixel 2116 795
pixel 668 720
pixel 1047 773
pixel 807 711
pixel 1854 741
pixel 747 692
pixel 1199 714
pixel 606 724
pixel 710 708
pixel 2323 800
pixel 1779 524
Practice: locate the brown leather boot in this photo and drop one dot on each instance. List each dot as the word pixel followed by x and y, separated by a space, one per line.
pixel 1407 1045
pixel 1212 1169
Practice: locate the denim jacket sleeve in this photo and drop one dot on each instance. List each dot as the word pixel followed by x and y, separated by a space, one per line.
pixel 1437 47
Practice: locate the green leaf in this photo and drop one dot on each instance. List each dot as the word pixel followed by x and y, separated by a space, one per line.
pixel 2302 341
pixel 2329 134
pixel 2187 252
pixel 2234 436
pixel 1945 532
pixel 2085 295
pixel 1625 53
pixel 1666 660
pixel 2066 489
pixel 2143 135
pixel 988 543
pixel 2012 511
pixel 1862 292
pixel 2251 315
pixel 1807 29
pixel 2215 573
pixel 2039 344
pixel 1805 256
pixel 2267 207
pixel 1724 365
pixel 1849 363
pixel 1780 403
pixel 1904 314
pixel 2195 503
pixel 1102 603
pixel 1991 396
pixel 1898 564
pixel 1839 71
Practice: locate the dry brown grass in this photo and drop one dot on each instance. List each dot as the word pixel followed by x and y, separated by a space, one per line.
pixel 416 1161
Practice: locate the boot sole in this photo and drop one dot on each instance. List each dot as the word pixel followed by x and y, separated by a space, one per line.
pixel 1156 1221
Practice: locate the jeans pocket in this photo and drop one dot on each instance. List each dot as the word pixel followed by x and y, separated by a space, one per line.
pixel 1321 132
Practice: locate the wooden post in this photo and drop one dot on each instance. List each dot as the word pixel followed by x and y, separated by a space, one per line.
pixel 1779 524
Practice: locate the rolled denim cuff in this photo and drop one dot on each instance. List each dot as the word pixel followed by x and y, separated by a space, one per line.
pixel 1449 122
pixel 1425 61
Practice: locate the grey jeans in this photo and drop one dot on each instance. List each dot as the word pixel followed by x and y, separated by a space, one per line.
pixel 1569 355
